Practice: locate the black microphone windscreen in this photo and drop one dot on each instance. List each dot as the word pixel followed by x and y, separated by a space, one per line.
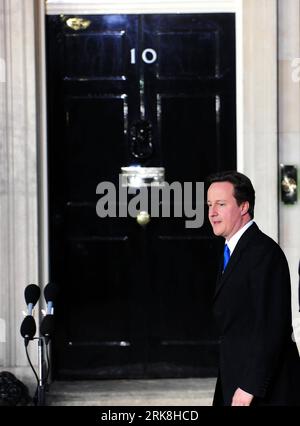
pixel 47 326
pixel 32 293
pixel 28 327
pixel 50 292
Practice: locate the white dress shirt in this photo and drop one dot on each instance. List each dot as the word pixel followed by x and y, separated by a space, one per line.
pixel 235 238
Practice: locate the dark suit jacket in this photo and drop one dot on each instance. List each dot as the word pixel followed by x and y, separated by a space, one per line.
pixel 252 307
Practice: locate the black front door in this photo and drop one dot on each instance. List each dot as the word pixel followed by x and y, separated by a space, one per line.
pixel 149 91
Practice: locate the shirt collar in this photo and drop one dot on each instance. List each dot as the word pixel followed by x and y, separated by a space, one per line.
pixel 235 238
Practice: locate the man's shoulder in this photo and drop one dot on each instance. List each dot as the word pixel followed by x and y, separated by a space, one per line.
pixel 261 242
pixel 264 238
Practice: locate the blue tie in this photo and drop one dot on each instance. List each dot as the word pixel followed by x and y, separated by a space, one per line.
pixel 226 256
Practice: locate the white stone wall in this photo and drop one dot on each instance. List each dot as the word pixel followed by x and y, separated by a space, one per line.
pixel 18 174
pixel 259 159
pixel 289 134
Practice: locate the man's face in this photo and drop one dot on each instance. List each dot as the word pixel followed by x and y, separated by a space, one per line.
pixel 225 216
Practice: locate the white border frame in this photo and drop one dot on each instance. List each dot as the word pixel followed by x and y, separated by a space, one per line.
pixel 55 7
pixel 44 256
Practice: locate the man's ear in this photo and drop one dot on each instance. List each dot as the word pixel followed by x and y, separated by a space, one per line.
pixel 244 208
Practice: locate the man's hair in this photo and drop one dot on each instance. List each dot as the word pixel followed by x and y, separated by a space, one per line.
pixel 242 187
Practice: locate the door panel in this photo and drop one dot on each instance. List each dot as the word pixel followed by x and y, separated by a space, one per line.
pixel 123 90
pixel 190 140
pixel 105 141
pixel 98 49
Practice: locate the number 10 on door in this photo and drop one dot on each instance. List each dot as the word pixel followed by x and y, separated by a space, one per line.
pixel 149 56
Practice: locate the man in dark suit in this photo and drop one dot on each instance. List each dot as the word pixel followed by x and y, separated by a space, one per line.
pixel 259 361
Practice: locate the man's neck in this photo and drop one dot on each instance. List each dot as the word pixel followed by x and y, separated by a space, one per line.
pixel 232 242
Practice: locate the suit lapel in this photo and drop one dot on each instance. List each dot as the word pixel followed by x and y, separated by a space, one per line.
pixel 236 255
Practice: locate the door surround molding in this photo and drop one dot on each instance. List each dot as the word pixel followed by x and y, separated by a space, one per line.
pixel 55 7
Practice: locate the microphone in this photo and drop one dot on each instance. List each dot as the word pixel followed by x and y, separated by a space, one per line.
pixel 32 293
pixel 28 328
pixel 50 294
pixel 47 327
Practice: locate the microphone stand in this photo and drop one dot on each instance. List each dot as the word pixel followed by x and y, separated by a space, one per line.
pixel 40 398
